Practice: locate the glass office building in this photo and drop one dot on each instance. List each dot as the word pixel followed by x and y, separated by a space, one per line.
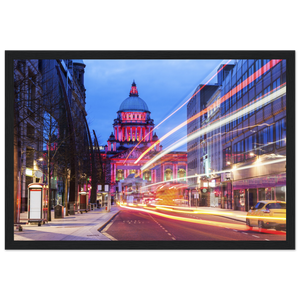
pixel 254 143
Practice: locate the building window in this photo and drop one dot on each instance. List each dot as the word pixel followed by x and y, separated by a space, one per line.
pixel 266 140
pixel 245 83
pixel 280 133
pixel 259 98
pixel 238 152
pixel 265 61
pixel 251 72
pixel 257 69
pixel 168 174
pixel 250 146
pixel 227 156
pixel 120 175
pixel 267 91
pixel 276 84
pixel 147 175
pixel 30 95
pixel 181 173
pixel 30 132
pixel 239 93
pixel 233 97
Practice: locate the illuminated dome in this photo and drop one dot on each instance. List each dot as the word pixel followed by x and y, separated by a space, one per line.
pixel 133 102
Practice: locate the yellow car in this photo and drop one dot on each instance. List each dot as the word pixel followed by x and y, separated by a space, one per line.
pixel 267 214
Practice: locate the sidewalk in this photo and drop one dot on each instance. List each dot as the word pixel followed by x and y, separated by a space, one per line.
pixel 78 227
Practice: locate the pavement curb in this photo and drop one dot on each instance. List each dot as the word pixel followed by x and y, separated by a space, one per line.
pixel 102 226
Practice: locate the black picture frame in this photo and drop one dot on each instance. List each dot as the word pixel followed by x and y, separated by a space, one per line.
pixel 290 246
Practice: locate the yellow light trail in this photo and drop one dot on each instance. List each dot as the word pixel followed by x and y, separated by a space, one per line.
pixel 213 212
pixel 204 222
pixel 190 220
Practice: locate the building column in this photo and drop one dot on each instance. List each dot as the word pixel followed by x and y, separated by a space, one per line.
pixel 117 137
pixel 148 131
pixel 111 173
pixel 126 134
pixel 131 133
pixel 141 133
pixel 136 133
pixel 186 171
pixel 174 172
pixel 115 172
pixel 151 134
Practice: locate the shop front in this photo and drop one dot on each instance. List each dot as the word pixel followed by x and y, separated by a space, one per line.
pixel 249 191
pixel 215 192
pixel 226 190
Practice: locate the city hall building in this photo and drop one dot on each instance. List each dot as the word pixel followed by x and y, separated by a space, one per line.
pixel 132 135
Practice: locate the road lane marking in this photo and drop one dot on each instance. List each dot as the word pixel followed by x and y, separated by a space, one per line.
pixel 255 236
pixel 163 228
pixel 267 240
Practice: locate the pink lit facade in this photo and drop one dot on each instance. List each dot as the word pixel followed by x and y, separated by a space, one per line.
pixel 132 129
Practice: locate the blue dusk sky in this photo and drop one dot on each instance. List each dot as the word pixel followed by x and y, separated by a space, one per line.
pixel 163 84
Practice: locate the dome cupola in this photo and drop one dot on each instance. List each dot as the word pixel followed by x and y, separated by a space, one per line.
pixel 133 102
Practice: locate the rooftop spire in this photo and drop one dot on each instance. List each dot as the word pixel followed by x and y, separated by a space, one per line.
pixel 133 90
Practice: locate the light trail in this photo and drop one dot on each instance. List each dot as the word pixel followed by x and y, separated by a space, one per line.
pixel 177 110
pixel 265 100
pixel 224 171
pixel 232 92
pixel 197 221
pixel 205 222
pixel 185 210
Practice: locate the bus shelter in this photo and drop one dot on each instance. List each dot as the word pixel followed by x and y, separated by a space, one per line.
pixel 37 203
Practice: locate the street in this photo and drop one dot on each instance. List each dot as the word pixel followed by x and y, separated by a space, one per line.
pixel 131 224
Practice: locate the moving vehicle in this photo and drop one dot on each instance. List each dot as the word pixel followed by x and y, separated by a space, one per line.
pixel 267 214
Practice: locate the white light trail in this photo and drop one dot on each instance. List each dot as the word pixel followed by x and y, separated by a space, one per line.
pixel 264 101
pixel 224 171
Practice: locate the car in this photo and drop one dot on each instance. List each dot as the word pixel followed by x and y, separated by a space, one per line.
pixel 267 214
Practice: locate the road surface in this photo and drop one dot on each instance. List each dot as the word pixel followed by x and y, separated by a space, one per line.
pixel 142 225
